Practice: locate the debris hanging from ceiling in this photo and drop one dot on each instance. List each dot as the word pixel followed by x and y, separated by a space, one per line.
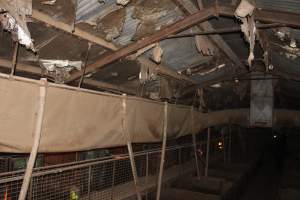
pixel 147 74
pixel 244 12
pixel 157 53
pixel 112 24
pixel 13 19
pixel 59 70
pixel 123 2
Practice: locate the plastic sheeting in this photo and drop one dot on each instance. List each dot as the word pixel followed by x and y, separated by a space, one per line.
pixel 77 119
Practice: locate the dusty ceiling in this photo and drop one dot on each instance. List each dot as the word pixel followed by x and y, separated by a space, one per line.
pixel 168 68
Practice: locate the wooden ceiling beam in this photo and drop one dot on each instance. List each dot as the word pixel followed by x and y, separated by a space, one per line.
pixel 161 69
pixel 4 63
pixel 179 26
pixel 39 16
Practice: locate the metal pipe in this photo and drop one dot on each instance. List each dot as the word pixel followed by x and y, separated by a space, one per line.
pixel 207 151
pixel 163 152
pixel 223 31
pixel 130 150
pixel 37 137
pixel 195 143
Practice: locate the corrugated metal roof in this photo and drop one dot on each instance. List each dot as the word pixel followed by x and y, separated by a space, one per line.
pixel 177 54
pixel 280 5
pixel 131 24
pixel 180 53
pixel 89 9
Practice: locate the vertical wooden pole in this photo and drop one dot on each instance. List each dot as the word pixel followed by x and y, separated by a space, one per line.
pixel 224 145
pixel 36 142
pixel 207 151
pixel 195 143
pixel 84 65
pixel 147 175
pixel 75 16
pixel 129 146
pixel 229 144
pixel 15 59
pixel 163 152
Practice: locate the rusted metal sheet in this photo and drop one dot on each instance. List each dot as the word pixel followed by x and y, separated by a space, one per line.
pixel 130 49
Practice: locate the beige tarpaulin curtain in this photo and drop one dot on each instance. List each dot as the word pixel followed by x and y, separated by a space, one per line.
pixel 77 119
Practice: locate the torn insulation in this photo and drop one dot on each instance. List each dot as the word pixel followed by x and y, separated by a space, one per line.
pixel 244 13
pixel 13 20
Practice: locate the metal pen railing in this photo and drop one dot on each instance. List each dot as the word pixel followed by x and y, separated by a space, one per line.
pixel 97 179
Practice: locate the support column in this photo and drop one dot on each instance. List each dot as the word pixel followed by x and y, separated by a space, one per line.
pixel 130 150
pixel 15 59
pixel 207 151
pixel 224 144
pixel 229 143
pixel 195 143
pixel 163 152
pixel 36 142
pixel 85 64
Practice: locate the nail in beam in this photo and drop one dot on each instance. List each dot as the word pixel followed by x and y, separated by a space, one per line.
pixel 207 151
pixel 163 152
pixel 36 142
pixel 129 146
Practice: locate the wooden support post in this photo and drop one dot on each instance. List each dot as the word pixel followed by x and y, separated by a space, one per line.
pixel 195 143
pixel 229 143
pixel 130 150
pixel 36 142
pixel 207 151
pixel 163 152
pixel 75 15
pixel 85 64
pixel 224 144
pixel 15 59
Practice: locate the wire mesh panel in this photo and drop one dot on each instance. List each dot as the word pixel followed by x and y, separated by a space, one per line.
pixel 101 180
pixel 60 185
pixel 98 179
pixel 10 189
pixel 4 165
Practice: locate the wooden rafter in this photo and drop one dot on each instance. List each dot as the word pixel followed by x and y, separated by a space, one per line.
pixel 179 26
pixel 37 71
pixel 165 70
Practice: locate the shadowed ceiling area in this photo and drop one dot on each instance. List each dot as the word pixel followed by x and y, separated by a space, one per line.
pixel 183 51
